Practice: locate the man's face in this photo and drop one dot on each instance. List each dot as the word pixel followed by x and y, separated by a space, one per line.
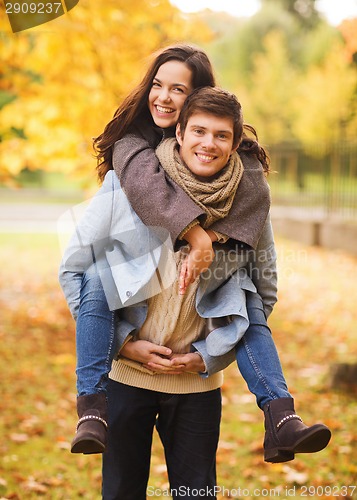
pixel 206 144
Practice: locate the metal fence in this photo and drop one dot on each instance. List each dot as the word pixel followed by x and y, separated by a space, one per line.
pixel 320 184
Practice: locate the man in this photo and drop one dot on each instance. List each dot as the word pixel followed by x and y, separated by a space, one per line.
pixel 172 345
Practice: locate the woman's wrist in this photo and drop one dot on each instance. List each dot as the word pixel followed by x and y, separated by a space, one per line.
pixel 198 237
pixel 213 236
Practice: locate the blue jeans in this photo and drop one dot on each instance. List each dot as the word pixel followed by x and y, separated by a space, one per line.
pixel 95 337
pixel 188 425
pixel 257 357
pixel 256 354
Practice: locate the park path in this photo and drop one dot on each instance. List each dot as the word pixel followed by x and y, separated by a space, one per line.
pixel 31 217
pixel 35 217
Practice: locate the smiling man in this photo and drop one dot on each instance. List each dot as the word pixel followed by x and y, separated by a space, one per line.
pixel 203 161
pixel 209 131
pixel 208 144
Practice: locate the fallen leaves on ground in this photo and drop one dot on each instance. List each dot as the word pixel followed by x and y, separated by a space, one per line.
pixel 314 325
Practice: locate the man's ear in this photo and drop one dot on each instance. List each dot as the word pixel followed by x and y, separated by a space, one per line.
pixel 234 148
pixel 178 134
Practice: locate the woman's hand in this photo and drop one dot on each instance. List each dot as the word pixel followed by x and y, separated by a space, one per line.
pixel 198 260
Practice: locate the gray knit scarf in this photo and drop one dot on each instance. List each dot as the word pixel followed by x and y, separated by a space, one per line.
pixel 214 197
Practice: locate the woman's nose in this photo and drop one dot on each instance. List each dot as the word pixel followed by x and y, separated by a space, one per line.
pixel 164 95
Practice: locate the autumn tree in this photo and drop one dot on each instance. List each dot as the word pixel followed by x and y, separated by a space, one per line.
pixel 304 11
pixel 62 81
pixel 348 29
pixel 325 102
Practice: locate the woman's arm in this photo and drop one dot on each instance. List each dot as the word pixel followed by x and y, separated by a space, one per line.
pixel 156 199
pixel 199 258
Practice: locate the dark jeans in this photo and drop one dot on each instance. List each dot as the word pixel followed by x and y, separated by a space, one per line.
pixel 188 425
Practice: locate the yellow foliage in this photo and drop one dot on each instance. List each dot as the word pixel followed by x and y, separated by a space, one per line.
pixel 325 101
pixel 70 75
pixel 268 106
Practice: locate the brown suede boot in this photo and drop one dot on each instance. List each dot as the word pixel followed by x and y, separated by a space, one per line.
pixel 286 434
pixel 91 433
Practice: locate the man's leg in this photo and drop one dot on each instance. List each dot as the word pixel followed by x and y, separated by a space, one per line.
pixel 126 461
pixel 189 425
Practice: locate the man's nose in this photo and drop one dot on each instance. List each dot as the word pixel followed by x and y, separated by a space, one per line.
pixel 209 142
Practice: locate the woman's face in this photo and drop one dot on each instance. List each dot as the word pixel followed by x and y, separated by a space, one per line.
pixel 170 87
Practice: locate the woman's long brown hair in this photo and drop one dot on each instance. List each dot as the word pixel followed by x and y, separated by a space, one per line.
pixel 134 109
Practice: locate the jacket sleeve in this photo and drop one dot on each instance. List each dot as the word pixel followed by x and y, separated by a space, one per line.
pixel 90 232
pixel 213 364
pixel 157 200
pixel 262 268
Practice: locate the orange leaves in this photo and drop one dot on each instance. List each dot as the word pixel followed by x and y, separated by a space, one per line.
pixel 69 79
pixel 348 29
pixel 313 326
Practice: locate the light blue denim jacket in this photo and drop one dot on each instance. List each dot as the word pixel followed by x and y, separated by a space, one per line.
pixel 133 261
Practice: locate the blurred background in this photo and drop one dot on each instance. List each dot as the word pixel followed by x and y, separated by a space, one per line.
pixel 293 65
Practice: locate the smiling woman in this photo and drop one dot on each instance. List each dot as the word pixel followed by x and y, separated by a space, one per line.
pixel 171 85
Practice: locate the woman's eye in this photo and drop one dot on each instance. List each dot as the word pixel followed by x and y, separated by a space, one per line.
pixel 178 89
pixel 156 85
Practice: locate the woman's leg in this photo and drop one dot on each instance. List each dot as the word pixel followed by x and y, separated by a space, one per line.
pixel 95 339
pixel 258 361
pixel 189 425
pixel 126 461
pixel 257 356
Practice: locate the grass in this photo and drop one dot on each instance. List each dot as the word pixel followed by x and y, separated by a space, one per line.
pixel 313 325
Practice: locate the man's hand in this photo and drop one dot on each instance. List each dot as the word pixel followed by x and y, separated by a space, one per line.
pixel 199 258
pixel 160 359
pixel 154 357
pixel 190 362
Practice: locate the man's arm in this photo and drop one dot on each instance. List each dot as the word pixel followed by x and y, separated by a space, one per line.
pixel 213 364
pixel 262 268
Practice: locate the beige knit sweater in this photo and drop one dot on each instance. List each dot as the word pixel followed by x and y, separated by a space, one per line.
pixel 172 321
